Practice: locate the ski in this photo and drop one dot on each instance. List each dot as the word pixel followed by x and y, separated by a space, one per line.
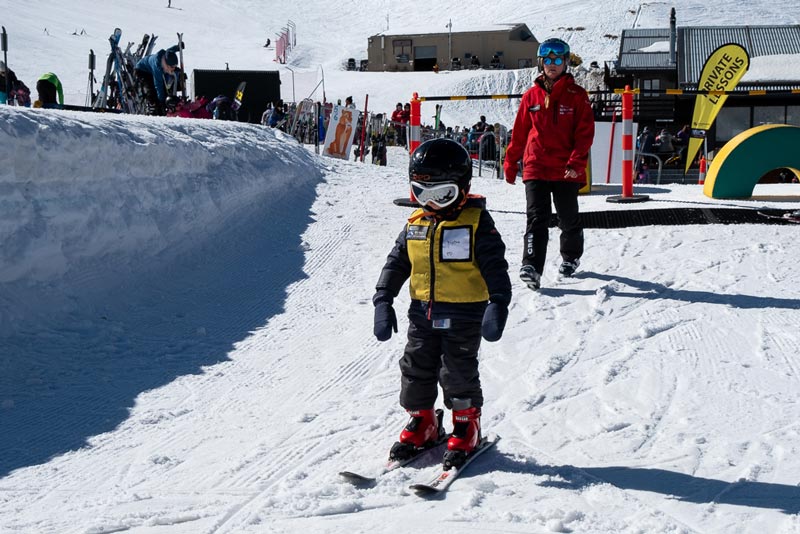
pixel 391 465
pixel 150 45
pixel 443 479
pixel 182 78
pixel 790 217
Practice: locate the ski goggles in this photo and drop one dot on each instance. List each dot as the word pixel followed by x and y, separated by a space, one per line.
pixel 556 48
pixel 436 196
pixel 553 61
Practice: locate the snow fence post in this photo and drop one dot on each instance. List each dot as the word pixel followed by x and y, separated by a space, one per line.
pixel 364 129
pixel 611 143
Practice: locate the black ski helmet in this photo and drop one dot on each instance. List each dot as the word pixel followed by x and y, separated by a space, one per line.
pixel 441 161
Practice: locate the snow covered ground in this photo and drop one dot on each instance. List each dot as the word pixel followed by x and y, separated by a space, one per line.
pixel 187 348
pixel 186 331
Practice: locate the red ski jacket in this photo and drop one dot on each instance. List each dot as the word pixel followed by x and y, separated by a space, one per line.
pixel 552 132
pixel 397 116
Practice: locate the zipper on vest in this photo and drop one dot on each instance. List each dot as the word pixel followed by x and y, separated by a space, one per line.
pixel 432 265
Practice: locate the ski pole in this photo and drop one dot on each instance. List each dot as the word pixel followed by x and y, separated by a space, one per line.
pixel 90 94
pixel 4 43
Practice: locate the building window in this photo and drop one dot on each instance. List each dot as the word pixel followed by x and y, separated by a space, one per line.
pixel 769 115
pixel 650 85
pixel 793 115
pixel 425 52
pixel 730 123
pixel 402 50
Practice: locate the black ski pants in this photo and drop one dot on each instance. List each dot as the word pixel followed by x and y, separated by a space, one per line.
pixel 147 88
pixel 440 356
pixel 564 195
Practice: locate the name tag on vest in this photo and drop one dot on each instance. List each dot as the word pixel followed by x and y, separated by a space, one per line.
pixel 456 244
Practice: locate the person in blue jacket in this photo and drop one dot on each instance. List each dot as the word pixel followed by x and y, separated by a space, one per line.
pixel 154 73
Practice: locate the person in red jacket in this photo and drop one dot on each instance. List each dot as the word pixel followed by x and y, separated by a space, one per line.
pixel 398 123
pixel 552 135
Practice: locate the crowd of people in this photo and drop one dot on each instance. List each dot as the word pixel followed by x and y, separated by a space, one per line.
pixel 382 130
pixel 669 148
pixel 50 93
pixel 158 78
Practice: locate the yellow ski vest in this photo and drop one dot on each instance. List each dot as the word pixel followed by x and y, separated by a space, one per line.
pixel 442 254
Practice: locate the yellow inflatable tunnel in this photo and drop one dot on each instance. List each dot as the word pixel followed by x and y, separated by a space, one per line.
pixel 743 160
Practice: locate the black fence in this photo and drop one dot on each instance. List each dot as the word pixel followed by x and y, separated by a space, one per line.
pixel 263 87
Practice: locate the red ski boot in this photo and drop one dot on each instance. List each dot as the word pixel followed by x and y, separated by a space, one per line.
pixel 466 435
pixel 422 431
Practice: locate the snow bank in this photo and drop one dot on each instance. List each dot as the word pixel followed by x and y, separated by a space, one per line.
pixel 75 187
pixel 90 203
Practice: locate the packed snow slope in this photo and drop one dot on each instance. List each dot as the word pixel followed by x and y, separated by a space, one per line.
pixel 187 347
pixel 186 327
pixel 46 35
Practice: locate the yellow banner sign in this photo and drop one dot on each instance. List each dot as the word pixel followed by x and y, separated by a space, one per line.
pixel 722 71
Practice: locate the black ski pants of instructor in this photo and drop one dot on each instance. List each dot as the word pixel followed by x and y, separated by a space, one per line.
pixel 538 194
pixel 440 356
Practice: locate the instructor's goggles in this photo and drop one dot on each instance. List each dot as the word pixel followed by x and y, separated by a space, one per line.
pixel 556 48
pixel 436 196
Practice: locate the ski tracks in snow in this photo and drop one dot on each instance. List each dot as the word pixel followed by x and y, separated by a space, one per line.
pixel 650 391
pixel 339 264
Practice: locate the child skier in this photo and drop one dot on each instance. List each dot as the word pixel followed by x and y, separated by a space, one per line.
pixel 455 259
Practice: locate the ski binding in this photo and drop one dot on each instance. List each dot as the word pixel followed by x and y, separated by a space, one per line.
pixel 444 478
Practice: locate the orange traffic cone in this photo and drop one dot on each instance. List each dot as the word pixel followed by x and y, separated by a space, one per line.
pixel 701 178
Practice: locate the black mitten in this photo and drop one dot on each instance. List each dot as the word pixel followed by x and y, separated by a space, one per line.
pixel 385 321
pixel 494 321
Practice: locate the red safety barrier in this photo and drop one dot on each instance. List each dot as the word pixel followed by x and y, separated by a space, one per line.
pixel 414 123
pixel 627 142
pixel 627 152
pixel 701 178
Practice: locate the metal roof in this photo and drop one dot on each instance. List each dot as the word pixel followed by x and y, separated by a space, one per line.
pixel 696 43
pixel 639 50
pixel 633 53
pixel 413 29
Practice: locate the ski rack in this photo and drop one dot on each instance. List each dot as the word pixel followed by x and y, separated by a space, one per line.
pixel 119 89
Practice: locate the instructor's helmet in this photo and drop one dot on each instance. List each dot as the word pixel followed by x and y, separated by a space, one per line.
pixel 554 46
pixel 440 173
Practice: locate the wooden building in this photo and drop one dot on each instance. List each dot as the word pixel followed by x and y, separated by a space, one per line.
pixel 511 46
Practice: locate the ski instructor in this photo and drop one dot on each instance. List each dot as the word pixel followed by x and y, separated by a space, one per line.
pixel 553 133
pixel 154 73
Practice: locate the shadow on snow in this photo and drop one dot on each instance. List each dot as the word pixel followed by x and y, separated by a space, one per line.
pixel 651 290
pixel 63 381
pixel 680 486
